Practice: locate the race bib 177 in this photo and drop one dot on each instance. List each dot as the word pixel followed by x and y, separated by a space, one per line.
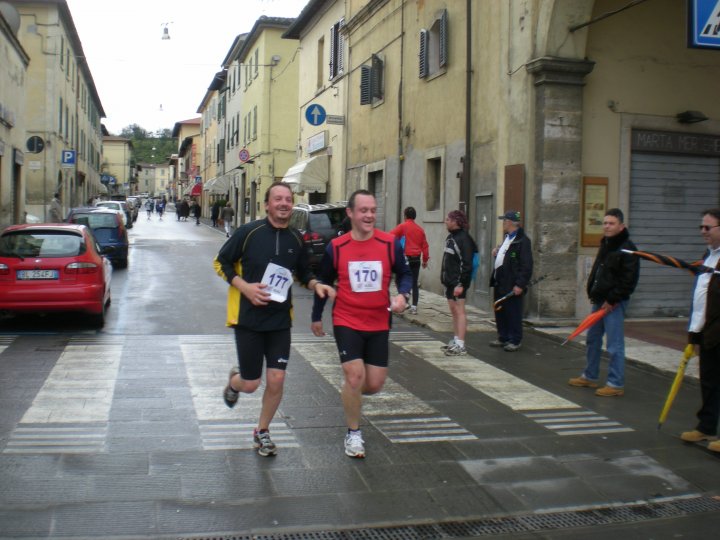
pixel 278 280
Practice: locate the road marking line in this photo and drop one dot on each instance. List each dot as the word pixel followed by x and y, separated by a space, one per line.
pixel 511 391
pixel 238 436
pixel 50 439
pixel 393 399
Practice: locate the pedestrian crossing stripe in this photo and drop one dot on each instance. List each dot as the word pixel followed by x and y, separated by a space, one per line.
pixel 422 429
pixel 511 391
pixel 57 439
pixel 5 342
pixel 239 436
pixel 576 422
pixel 106 339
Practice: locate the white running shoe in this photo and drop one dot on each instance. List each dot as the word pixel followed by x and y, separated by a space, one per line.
pixel 354 444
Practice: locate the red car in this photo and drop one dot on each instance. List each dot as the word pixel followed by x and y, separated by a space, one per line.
pixel 53 267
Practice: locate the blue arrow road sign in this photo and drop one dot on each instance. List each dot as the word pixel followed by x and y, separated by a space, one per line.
pixel 315 114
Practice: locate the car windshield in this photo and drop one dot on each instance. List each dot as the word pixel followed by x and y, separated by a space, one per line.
pixel 41 244
pixel 298 221
pixel 113 205
pixel 327 222
pixel 96 220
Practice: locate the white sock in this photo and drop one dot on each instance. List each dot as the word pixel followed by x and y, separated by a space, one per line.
pixel 460 343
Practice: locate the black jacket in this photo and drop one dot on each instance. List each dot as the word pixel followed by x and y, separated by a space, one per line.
pixel 614 274
pixel 709 337
pixel 457 262
pixel 517 266
pixel 254 245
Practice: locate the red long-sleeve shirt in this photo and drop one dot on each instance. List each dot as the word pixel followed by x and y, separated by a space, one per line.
pixel 415 241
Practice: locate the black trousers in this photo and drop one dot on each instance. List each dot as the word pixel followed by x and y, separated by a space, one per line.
pixel 709 413
pixel 414 264
pixel 509 319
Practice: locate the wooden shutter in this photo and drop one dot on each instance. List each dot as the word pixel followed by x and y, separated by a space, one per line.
pixel 365 97
pixel 423 57
pixel 444 38
pixel 333 64
pixel 340 49
pixel 376 77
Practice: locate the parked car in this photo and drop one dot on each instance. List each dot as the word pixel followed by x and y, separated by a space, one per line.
pixel 108 228
pixel 120 206
pixel 318 223
pixel 53 267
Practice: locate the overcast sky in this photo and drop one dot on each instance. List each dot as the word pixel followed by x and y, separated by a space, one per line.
pixel 144 80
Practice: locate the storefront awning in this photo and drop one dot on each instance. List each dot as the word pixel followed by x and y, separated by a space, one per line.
pixel 218 185
pixel 310 175
pixel 101 188
pixel 194 190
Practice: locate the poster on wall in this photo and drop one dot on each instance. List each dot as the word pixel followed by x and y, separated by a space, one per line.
pixel 594 206
pixel 704 24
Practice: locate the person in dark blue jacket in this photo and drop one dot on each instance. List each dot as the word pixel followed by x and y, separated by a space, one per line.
pixel 512 272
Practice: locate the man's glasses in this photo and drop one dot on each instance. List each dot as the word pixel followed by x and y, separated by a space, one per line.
pixel 706 228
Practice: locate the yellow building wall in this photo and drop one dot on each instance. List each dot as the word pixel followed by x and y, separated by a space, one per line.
pixel 273 90
pixel 331 95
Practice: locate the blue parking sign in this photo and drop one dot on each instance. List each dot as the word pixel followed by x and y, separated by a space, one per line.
pixel 704 24
pixel 68 158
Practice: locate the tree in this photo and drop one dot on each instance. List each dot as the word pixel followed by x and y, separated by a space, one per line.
pixel 150 147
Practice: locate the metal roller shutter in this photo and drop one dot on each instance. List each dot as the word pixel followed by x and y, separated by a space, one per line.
pixel 667 194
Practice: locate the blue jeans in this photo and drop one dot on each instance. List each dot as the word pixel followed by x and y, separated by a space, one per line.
pixel 613 324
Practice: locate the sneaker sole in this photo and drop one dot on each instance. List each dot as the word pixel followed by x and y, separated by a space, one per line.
pixel 266 453
pixel 351 454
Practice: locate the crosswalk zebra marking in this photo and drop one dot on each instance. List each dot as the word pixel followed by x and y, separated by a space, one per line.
pixel 238 436
pixel 6 341
pixel 422 425
pixel 577 422
pixel 57 439
pixel 511 391
pixel 424 429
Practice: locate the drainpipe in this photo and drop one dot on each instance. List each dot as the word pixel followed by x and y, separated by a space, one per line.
pixel 401 157
pixel 467 161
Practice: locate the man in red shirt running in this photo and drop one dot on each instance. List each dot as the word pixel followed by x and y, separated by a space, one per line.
pixel 415 245
pixel 362 262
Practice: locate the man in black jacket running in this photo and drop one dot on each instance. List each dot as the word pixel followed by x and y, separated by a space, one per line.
pixel 612 280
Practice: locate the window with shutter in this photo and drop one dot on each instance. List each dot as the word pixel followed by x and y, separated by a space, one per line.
pixel 443 38
pixel 340 49
pixel 376 77
pixel 365 97
pixel 423 59
pixel 333 50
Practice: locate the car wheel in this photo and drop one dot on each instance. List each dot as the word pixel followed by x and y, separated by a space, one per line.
pixel 98 319
pixel 121 263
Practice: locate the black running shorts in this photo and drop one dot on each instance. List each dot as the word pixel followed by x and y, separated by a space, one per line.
pixel 370 347
pixel 253 346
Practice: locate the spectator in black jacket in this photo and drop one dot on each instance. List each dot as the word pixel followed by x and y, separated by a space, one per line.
pixel 456 275
pixel 704 334
pixel 512 272
pixel 612 280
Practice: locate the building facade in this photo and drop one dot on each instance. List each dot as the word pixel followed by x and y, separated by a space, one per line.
pixel 13 81
pixel 62 108
pixel 117 170
pixel 264 130
pixel 319 172
pixel 560 109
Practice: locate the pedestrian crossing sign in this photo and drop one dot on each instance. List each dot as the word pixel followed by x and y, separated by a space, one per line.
pixel 704 24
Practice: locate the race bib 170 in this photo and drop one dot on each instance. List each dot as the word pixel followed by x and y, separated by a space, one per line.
pixel 365 276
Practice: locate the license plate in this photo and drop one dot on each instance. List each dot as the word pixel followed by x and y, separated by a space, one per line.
pixel 37 274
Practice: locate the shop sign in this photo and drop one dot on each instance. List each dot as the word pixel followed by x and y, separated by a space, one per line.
pixel 670 142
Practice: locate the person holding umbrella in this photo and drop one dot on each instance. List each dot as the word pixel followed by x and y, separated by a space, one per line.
pixel 612 280
pixel 704 335
pixel 511 273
